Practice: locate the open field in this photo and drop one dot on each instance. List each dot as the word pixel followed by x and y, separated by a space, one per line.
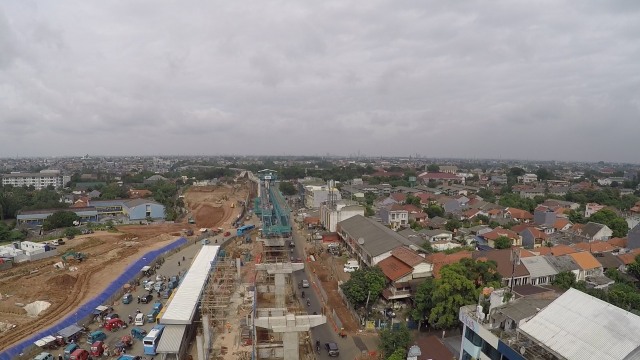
pixel 108 254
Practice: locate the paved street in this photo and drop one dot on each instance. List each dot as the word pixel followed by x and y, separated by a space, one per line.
pixel 351 346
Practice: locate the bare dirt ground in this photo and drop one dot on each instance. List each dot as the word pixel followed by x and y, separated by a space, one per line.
pixel 108 254
pixel 321 268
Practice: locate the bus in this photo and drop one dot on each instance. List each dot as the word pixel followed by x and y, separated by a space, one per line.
pixel 245 229
pixel 150 342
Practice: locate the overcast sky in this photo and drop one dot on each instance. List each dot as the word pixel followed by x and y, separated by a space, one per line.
pixel 512 79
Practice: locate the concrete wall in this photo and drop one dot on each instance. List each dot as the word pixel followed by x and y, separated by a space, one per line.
pixel 140 212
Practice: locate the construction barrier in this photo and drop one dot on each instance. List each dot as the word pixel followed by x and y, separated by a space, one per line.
pixel 86 310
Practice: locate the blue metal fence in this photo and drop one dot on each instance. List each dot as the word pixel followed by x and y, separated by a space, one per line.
pixel 87 309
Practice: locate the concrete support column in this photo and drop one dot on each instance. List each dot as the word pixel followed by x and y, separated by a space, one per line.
pixel 200 348
pixel 206 334
pixel 290 346
pixel 280 283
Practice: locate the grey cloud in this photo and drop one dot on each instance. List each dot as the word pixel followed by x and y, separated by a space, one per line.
pixel 515 79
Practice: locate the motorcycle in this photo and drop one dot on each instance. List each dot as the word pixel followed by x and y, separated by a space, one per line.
pixel 318 346
pixel 303 294
pixel 308 302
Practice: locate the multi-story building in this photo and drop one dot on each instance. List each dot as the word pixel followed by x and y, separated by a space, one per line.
pixel 528 178
pixel 343 210
pixel 315 196
pixel 542 325
pixel 39 180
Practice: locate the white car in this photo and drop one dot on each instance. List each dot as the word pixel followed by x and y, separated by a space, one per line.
pixel 149 285
pixel 349 269
pixel 139 321
pixel 305 283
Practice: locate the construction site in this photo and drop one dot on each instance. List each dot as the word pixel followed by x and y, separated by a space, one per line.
pixel 257 309
pixel 35 295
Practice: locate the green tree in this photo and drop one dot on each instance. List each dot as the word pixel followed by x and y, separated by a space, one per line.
pixel 434 210
pixel 616 223
pixel 412 200
pixel 366 282
pixel 287 188
pixel 452 291
pixel 398 354
pixel 422 302
pixel 565 280
pixel 487 195
pixel 368 211
pixel 60 219
pixel 482 273
pixel 544 174
pixel 393 339
pixel 634 268
pixel 71 232
pixel 453 224
pixel 502 242
pixel 433 168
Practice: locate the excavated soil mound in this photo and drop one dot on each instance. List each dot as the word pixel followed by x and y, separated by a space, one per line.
pixel 63 280
pixel 35 308
pixel 208 216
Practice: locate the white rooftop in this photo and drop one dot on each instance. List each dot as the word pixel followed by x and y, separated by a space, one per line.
pixel 580 326
pixel 185 300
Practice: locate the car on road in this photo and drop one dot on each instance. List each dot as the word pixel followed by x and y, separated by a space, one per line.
pixel 146 298
pixel 332 349
pixel 227 233
pixel 44 356
pixel 305 283
pixel 111 316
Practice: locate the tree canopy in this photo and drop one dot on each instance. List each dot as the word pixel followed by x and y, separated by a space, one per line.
pixel 393 339
pixel 564 280
pixel 287 188
pixel 616 223
pixel 60 219
pixel 502 242
pixel 452 291
pixel 365 282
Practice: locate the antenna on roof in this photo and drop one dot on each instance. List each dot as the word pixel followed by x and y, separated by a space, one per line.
pixel 361 241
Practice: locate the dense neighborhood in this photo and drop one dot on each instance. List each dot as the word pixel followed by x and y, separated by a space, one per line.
pixel 443 258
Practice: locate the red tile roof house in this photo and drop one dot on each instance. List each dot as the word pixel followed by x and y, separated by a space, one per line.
pixel 490 237
pixel 517 214
pixel 438 260
pixel 439 176
pixel 505 260
pixel 405 269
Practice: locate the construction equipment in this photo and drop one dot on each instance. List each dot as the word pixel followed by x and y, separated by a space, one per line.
pixel 78 256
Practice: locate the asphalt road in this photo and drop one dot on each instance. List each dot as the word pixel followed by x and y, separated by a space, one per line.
pixel 350 347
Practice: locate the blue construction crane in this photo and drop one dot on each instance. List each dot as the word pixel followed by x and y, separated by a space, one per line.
pixel 271 206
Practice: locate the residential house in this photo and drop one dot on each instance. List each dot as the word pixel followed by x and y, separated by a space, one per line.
pixel 557 250
pixel 436 222
pixel 628 258
pixel 564 263
pixel 425 177
pixel 608 261
pixel 449 169
pixel 595 247
pixel 532 193
pixel 633 238
pixel 517 214
pixel 533 237
pixel 436 235
pixel 404 270
pixel 567 205
pixel 94 194
pixel 440 259
pixel 592 208
pixel 395 216
pixel 618 242
pixel 592 231
pixel 490 237
pixel 508 265
pixel 368 240
pixel 528 178
pixel 588 265
pixel 541 272
pixel 562 224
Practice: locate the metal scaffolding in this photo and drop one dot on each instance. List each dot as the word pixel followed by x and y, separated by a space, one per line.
pixel 221 285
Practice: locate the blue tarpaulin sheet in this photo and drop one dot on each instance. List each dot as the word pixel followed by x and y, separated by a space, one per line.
pixel 87 308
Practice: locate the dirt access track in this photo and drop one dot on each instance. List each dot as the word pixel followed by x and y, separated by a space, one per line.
pixel 107 255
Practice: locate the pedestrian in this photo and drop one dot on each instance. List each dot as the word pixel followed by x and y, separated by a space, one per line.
pixel 138 299
pixel 60 357
pixel 178 263
pixel 183 258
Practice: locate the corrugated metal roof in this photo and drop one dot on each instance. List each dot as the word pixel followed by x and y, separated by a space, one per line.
pixel 538 266
pixel 171 339
pixel 378 239
pixel 185 299
pixel 580 326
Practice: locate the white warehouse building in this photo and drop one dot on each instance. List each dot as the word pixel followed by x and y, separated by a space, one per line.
pixel 343 210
